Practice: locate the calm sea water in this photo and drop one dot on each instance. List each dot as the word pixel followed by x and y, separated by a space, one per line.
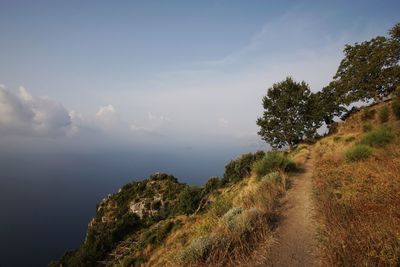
pixel 47 200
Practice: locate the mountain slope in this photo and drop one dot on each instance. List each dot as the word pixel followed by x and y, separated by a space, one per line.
pixel 357 190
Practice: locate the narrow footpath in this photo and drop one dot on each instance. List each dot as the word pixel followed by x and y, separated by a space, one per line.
pixel 295 236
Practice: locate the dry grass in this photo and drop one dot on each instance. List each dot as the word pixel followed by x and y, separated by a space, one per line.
pixel 300 154
pixel 230 239
pixel 358 202
pixel 234 228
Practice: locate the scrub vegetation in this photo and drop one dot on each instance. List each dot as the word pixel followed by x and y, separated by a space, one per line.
pixel 357 189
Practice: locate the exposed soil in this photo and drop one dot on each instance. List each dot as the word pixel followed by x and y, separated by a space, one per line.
pixel 295 236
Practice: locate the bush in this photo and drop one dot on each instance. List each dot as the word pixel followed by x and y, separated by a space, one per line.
pixel 274 177
pixel 212 184
pixel 156 235
pixel 231 214
pixel 198 250
pixel 273 161
pixel 378 137
pixel 367 114
pixel 188 200
pixel 358 152
pixel 367 127
pixel 239 168
pixel 240 223
pixel 220 207
pixel 384 114
pixel 396 107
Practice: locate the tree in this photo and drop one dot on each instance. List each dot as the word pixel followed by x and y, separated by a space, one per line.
pixel 291 114
pixel 328 105
pixel 370 69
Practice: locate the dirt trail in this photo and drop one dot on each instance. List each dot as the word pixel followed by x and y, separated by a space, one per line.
pixel 295 236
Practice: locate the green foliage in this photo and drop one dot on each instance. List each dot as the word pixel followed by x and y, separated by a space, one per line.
pixel 396 98
pixel 100 239
pixel 328 106
pixel 230 215
pixel 378 138
pixel 384 114
pixel 291 113
pixel 367 127
pixel 198 250
pixel 188 200
pixel 212 184
pixel 240 167
pixel 368 114
pixel 358 152
pixel 273 177
pixel 273 160
pixel 103 236
pixel 395 32
pixel 369 70
pixel 220 206
pixel 157 234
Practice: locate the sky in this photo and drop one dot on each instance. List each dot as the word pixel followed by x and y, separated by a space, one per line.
pixel 151 74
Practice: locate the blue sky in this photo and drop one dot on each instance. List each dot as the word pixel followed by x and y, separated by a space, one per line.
pixel 181 70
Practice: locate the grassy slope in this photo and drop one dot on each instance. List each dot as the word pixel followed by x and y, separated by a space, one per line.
pixel 236 223
pixel 358 200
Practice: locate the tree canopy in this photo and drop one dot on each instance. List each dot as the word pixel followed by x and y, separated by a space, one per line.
pixel 369 69
pixel 290 114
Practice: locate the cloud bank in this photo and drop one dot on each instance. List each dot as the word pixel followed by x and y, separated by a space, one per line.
pixel 24 114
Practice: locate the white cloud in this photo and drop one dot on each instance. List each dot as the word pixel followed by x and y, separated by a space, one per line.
pixel 24 114
pixel 107 114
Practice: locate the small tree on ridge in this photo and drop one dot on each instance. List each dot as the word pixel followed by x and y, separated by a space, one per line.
pixel 291 114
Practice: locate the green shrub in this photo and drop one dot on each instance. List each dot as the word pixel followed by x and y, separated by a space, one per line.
pixel 239 168
pixel 231 214
pixel 239 222
pixel 367 127
pixel 368 114
pixel 358 152
pixel 384 114
pixel 273 177
pixel 272 161
pixel 396 107
pixel 212 184
pixel 156 235
pixel 379 137
pixel 198 249
pixel 220 206
pixel 188 200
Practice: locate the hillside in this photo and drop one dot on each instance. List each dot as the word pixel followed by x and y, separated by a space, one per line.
pixel 247 217
pixel 357 189
pixel 161 222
